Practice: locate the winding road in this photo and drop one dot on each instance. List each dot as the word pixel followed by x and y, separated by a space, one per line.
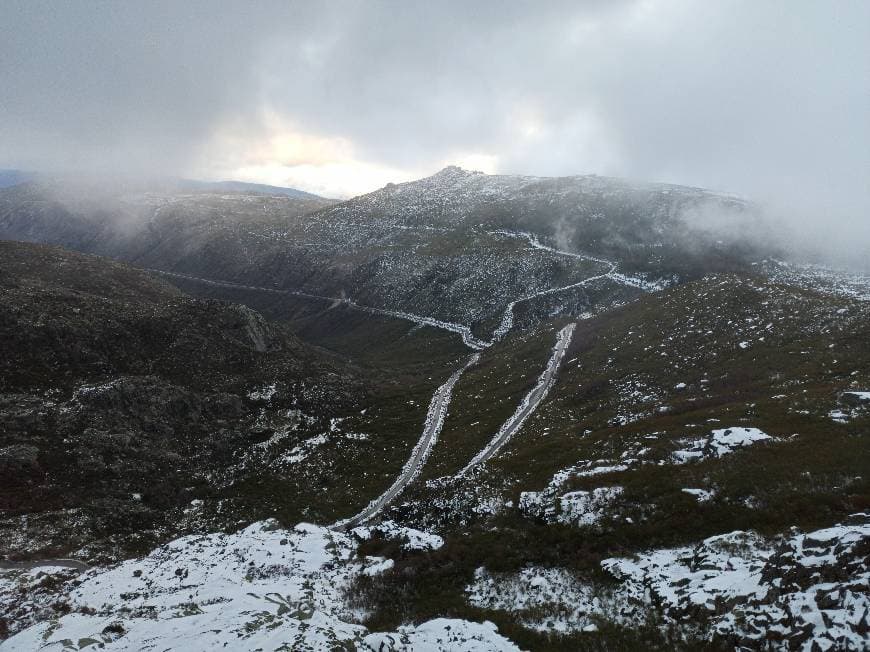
pixel 42 563
pixel 434 422
pixel 463 331
pixel 530 402
pixel 441 399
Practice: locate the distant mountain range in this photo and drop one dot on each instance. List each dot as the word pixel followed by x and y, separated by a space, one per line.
pixel 9 178
pixel 243 187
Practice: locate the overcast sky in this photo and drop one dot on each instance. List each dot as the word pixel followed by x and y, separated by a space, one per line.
pixel 768 99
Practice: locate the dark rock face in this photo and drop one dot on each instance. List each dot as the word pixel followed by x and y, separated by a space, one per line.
pixel 120 396
pixel 19 461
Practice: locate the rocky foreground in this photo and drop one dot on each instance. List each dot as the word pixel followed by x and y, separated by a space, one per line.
pixel 270 588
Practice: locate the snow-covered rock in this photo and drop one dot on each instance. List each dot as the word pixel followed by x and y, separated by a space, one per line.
pixel 412 539
pixel 702 495
pixel 441 635
pixel 803 591
pixel 569 604
pixel 720 442
pixel 262 588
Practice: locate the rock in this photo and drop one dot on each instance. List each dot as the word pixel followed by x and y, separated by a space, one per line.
pixel 19 459
pixel 256 327
pixel 855 399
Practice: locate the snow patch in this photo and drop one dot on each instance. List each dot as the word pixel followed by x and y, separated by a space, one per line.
pixel 720 442
pixel 413 539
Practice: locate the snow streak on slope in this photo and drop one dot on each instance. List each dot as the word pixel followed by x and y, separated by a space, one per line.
pixel 434 421
pixel 530 402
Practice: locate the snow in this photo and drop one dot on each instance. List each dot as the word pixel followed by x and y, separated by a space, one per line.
pixel 601 470
pixel 701 494
pixel 747 586
pixel 587 507
pixel 579 507
pixel 720 442
pixel 726 440
pixel 852 404
pixel 413 539
pixel 263 585
pixel 569 603
pixel 442 635
pixel 264 588
pixel 264 393
pixel 302 451
pixel 750 586
pixel 839 416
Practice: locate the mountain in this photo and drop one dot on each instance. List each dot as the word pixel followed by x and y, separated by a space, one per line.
pixel 10 178
pixel 457 246
pixel 243 187
pixel 466 412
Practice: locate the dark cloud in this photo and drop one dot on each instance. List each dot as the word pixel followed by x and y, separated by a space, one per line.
pixel 768 99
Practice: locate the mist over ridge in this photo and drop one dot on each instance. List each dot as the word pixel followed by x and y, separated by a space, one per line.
pixel 767 100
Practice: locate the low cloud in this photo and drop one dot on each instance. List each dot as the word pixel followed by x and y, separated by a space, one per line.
pixel 765 99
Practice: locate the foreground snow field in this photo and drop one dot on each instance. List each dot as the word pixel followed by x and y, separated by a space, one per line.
pixel 263 588
pixel 269 588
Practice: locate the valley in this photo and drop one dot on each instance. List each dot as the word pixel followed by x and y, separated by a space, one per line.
pixel 505 412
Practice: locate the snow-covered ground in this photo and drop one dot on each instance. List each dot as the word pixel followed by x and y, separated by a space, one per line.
pixel 442 635
pixel 805 591
pixel 412 539
pixel 554 504
pixel 837 282
pixel 570 604
pixel 852 404
pixel 262 588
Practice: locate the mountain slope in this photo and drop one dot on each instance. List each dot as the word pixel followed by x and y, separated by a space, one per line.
pixel 245 187
pixel 457 246
pixel 111 378
pixel 629 428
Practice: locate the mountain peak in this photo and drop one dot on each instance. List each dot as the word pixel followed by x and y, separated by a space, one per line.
pixel 456 171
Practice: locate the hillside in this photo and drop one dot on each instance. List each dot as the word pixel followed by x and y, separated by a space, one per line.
pixel 506 412
pixel 452 246
pixel 111 377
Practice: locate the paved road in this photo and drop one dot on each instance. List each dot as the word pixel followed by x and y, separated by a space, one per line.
pixel 530 402
pixel 463 331
pixel 40 563
pixel 434 421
